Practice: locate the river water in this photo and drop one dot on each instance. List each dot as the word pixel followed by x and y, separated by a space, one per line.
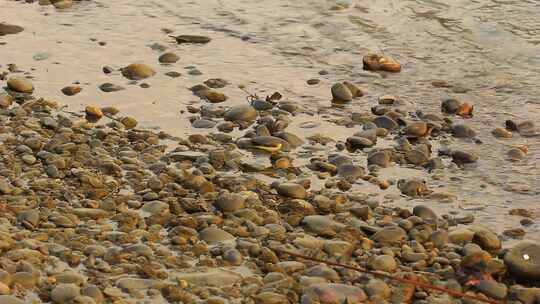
pixel 488 51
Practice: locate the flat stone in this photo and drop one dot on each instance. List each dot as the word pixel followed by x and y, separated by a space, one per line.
pixel 10 29
pixel 332 293
pixel 523 260
pixel 138 284
pixel 213 277
pixel 213 235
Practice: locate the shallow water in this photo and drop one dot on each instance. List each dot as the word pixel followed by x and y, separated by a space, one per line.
pixel 489 51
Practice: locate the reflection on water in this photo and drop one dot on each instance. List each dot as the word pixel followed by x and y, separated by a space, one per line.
pixel 488 51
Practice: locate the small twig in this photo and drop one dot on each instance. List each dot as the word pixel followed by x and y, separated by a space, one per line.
pixel 453 293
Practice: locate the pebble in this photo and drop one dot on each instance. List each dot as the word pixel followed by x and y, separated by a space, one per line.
pixel 230 202
pixel 203 123
pixel 329 293
pixel 192 39
pixel 9 29
pixel 241 113
pixel 62 4
pixel 291 190
pixel 71 90
pixel 64 293
pixel 93 112
pixel 137 71
pixel 493 289
pixel 523 260
pixel 168 58
pixel 213 235
pixel 389 236
pixel 20 85
pixel 341 93
pixel 463 131
pixel 501 133
pixel 110 87
pixel 379 158
pixel 384 263
pixel 385 122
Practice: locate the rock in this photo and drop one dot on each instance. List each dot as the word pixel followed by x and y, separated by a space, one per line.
pixel 527 128
pixel 341 93
pixel 487 240
pixel 29 218
pixel 291 190
pixel 129 122
pixel 213 235
pixel 155 207
pixel 212 277
pixel 138 284
pixel 241 113
pixel 137 71
pixel 230 202
pixel 192 39
pixel 389 235
pixel 493 289
pixel 262 105
pixel 379 158
pixel 272 142
pixel 107 69
pixel 374 62
pixel 110 111
pixel 523 260
pixel 20 85
pixel 5 101
pixel 425 213
pixel 525 295
pixel 168 58
pixel 64 293
pixel 385 122
pixel 313 81
pixel 93 113
pixel 332 293
pixel 417 129
pixel 110 87
pixel 501 133
pixel 338 248
pixel 62 4
pixel 268 297
pixel 351 172
pixel 450 106
pixel 71 90
pixel 70 277
pixel 203 123
pixel 48 123
pixel 293 140
pixel 322 271
pixel 463 131
pixel 460 236
pixel 413 187
pixel 515 154
pixel 10 29
pixel 214 96
pixel 384 263
pixel 463 157
pixel 322 225
pixel 233 257
pixel 354 143
pixel 173 74
pixel 417 157
pixel 355 91
pixel 216 83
